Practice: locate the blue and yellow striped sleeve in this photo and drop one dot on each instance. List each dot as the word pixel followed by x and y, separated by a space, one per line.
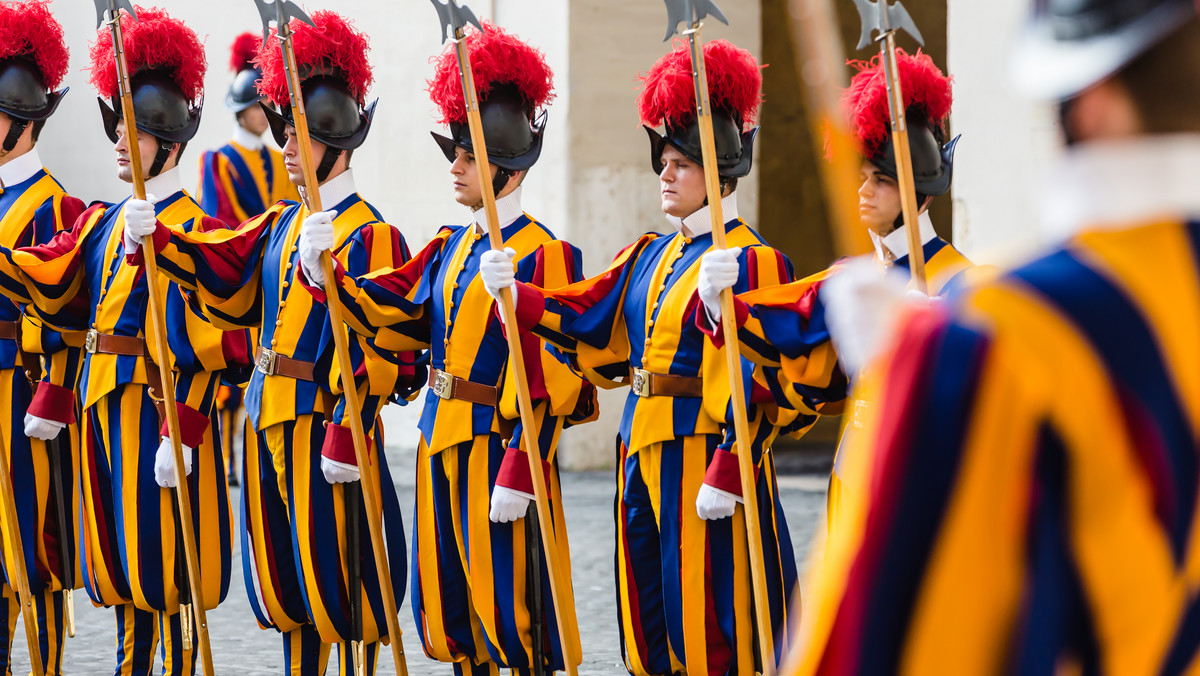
pixel 377 371
pixel 54 351
pixel 560 393
pixel 385 302
pixel 584 319
pixel 221 266
pixel 51 275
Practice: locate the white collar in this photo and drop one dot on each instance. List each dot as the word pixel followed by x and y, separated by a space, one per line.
pixel 896 241
pixel 699 222
pixel 508 210
pixel 164 185
pixel 19 169
pixel 337 189
pixel 1115 184
pixel 245 139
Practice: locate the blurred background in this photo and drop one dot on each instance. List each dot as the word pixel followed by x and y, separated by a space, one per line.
pixel 593 184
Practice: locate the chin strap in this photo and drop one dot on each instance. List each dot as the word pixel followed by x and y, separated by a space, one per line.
pixel 331 157
pixel 501 179
pixel 161 157
pixel 15 130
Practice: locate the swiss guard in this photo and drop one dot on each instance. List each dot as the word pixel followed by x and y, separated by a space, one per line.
pixel 298 454
pixel 472 602
pixel 38 367
pixel 238 181
pixel 244 177
pixel 683 577
pixel 1033 502
pixel 131 551
pixel 787 329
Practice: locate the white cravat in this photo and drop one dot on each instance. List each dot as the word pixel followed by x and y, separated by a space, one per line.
pixel 337 189
pixel 699 222
pixel 894 245
pixel 508 210
pixel 1115 184
pixel 246 140
pixel 20 169
pixel 164 185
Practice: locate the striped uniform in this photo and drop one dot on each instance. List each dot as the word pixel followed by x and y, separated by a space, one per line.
pixel 32 211
pixel 1033 475
pixel 683 583
pixel 82 278
pixel 294 535
pixel 469 574
pixel 782 330
pixel 237 184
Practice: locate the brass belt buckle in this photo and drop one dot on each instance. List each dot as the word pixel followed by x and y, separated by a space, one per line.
pixel 640 383
pixel 92 342
pixel 266 361
pixel 443 384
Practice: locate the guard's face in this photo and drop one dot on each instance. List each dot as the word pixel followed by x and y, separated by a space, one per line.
pixel 254 120
pixel 682 184
pixel 878 199
pixel 148 146
pixel 467 190
pixel 291 155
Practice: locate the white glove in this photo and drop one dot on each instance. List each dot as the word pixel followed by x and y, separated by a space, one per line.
pixel 41 428
pixel 714 503
pixel 497 272
pixel 508 504
pixel 316 237
pixel 164 463
pixel 719 270
pixel 338 472
pixel 862 302
pixel 140 221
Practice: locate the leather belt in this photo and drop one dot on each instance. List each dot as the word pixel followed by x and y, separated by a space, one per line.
pixel 105 343
pixel 10 330
pixel 447 386
pixel 130 346
pixel 271 363
pixel 647 384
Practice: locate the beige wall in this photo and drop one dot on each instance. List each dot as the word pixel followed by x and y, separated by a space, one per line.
pixel 593 184
pixel 1006 142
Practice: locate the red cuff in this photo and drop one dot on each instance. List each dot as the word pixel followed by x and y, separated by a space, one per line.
pixel 161 238
pixel 741 312
pixel 318 290
pixel 339 444
pixel 723 473
pixel 531 305
pixel 53 402
pixel 514 472
pixel 192 425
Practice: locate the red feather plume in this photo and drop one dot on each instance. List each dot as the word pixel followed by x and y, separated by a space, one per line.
pixel 29 29
pixel 926 92
pixel 497 57
pixel 333 47
pixel 154 41
pixel 734 84
pixel 245 48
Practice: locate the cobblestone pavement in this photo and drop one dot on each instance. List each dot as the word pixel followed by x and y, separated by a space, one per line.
pixel 240 647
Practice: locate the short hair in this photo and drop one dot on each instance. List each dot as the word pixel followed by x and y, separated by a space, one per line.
pixel 1164 82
